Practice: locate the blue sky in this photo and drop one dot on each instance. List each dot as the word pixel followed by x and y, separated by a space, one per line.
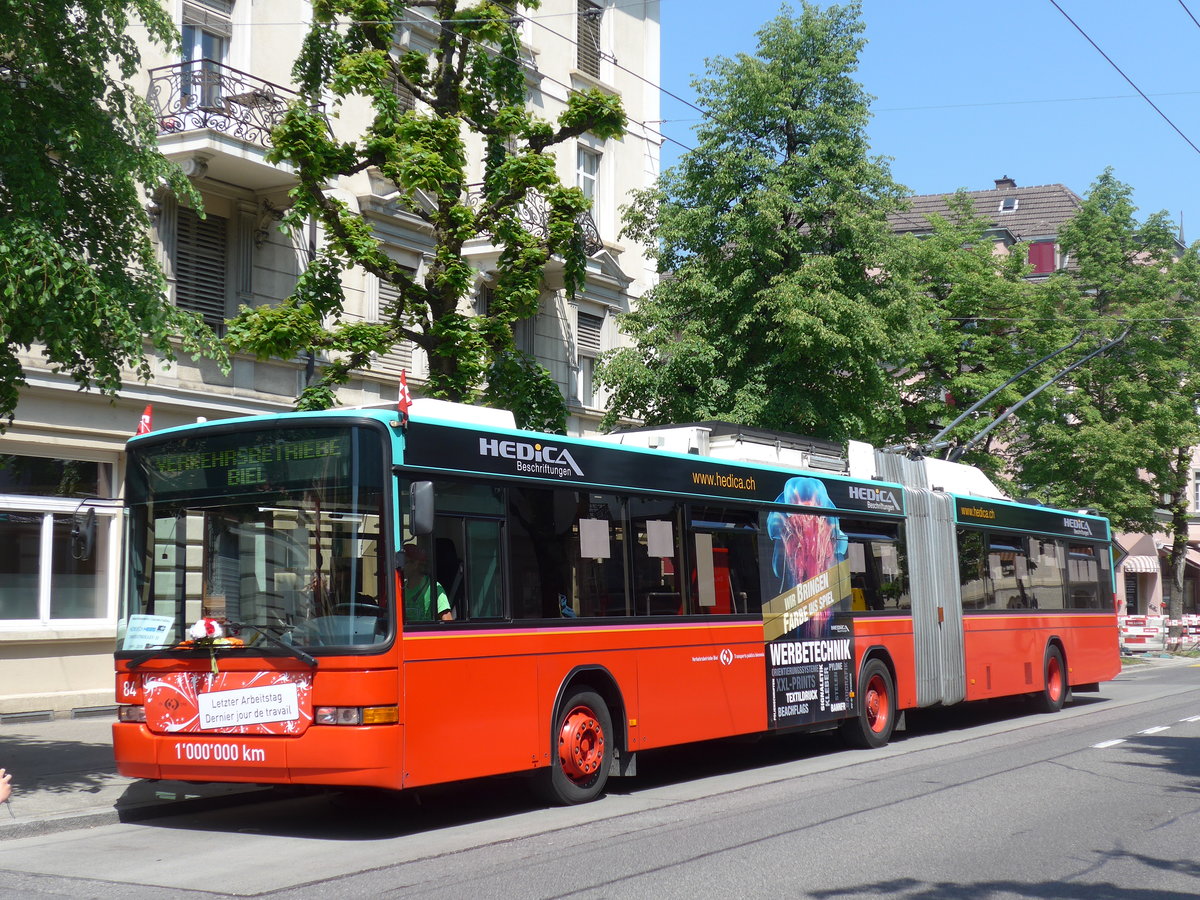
pixel 968 91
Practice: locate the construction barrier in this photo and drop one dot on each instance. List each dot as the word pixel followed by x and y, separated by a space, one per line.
pixel 1142 633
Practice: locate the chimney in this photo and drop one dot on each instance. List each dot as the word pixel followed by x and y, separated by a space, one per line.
pixel 1005 182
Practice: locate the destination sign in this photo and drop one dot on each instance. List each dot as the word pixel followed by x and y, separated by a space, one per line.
pixel 236 462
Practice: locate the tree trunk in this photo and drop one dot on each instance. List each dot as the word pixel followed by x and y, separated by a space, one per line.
pixel 1179 546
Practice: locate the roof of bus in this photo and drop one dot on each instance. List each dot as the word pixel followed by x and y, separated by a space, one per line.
pixel 388 415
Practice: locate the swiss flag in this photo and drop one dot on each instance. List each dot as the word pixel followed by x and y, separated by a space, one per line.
pixel 144 426
pixel 405 399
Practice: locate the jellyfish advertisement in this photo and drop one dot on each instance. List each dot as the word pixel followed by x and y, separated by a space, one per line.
pixel 808 628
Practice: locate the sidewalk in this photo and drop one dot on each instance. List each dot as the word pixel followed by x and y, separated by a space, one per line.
pixel 64 777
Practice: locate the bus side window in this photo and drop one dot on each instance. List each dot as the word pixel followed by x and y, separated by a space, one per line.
pixel 972 582
pixel 656 557
pixel 724 568
pixel 540 523
pixel 467 549
pixel 878 581
pixel 1008 570
pixel 597 559
pixel 1083 575
pixel 1046 572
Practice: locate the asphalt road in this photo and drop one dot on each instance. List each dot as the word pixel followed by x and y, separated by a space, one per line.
pixel 1099 802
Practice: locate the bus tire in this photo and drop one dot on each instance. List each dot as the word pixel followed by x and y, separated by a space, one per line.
pixel 1054 684
pixel 582 750
pixel 876 714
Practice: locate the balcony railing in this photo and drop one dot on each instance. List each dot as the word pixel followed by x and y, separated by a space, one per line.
pixel 203 93
pixel 534 214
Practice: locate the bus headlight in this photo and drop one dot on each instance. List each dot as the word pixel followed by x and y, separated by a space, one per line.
pixel 356 715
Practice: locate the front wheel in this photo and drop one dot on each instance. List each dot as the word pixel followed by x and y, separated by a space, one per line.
pixel 582 752
pixel 876 701
pixel 1054 685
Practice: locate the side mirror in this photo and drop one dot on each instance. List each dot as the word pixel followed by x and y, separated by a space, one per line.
pixel 421 496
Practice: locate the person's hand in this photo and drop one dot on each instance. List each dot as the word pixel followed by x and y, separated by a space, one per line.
pixel 5 785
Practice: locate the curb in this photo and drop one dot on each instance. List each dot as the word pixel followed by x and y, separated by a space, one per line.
pixel 136 811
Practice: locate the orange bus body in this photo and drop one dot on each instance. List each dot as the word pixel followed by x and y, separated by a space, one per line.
pixel 474 705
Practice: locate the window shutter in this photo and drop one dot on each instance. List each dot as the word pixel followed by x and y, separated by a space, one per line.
pixel 400 356
pixel 1041 256
pixel 407 100
pixel 200 266
pixel 587 36
pixel 588 334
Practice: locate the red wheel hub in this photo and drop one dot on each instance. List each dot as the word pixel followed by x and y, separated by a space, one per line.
pixel 581 744
pixel 877 704
pixel 1054 679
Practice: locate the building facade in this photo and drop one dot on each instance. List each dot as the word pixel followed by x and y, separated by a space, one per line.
pixel 215 102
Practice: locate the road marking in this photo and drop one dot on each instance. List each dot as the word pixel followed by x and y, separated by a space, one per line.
pixel 1106 744
pixel 1155 730
pixel 1191 719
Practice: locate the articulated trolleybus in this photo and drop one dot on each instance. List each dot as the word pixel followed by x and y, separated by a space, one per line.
pixel 341 598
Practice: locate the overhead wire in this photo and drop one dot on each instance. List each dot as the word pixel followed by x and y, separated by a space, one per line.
pixel 1189 12
pixel 1120 72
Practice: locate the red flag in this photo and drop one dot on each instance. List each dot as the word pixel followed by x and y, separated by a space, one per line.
pixel 405 399
pixel 144 426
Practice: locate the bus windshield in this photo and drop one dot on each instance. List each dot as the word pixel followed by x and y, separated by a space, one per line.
pixel 277 531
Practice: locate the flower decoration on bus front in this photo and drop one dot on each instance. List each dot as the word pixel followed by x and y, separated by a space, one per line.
pixel 805 545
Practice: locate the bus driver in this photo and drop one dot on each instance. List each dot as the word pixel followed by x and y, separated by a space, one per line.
pixel 420 589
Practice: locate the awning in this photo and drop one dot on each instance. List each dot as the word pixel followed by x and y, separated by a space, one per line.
pixel 1141 564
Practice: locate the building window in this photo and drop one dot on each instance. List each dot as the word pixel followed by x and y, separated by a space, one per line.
pixel 483 299
pixel 1196 491
pixel 57 539
pixel 1009 204
pixel 524 335
pixel 47 571
pixel 587 344
pixel 587 37
pixel 200 261
pixel 38 476
pixel 206 31
pixel 587 172
pixel 1041 257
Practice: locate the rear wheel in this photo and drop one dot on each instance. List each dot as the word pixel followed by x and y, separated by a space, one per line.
pixel 876 701
pixel 583 750
pixel 1054 685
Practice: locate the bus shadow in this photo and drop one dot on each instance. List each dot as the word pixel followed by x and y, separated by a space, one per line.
pixel 371 815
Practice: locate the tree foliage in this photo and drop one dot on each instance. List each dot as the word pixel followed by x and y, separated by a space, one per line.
pixel 778 309
pixel 962 343
pixel 78 152
pixel 1117 433
pixel 1122 416
pixel 472 82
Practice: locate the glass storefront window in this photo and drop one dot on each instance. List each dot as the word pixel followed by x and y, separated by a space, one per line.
pixel 46 572
pixel 20 558
pixel 76 588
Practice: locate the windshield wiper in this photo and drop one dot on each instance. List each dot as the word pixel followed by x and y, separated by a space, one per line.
pixel 136 661
pixel 236 627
